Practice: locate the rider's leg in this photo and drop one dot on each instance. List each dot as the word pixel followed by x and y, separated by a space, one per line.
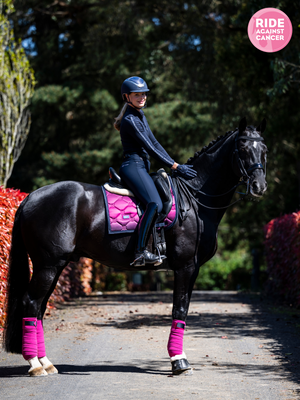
pixel 142 255
pixel 134 173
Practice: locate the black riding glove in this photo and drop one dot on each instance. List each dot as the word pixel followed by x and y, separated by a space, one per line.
pixel 186 171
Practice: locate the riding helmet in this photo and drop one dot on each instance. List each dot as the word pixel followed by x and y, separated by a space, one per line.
pixel 133 84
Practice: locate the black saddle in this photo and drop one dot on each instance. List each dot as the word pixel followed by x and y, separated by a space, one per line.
pixel 161 181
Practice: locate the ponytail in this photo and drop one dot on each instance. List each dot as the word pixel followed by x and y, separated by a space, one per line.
pixel 118 119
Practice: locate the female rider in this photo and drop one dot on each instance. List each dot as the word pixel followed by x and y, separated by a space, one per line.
pixel 138 142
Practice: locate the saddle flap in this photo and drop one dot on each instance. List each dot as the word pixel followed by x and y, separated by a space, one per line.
pixel 164 191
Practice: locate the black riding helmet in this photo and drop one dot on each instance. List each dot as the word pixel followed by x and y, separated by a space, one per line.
pixel 133 84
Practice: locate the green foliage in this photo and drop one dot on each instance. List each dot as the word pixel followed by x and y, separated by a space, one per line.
pixel 116 281
pixel 181 127
pixel 227 270
pixel 16 89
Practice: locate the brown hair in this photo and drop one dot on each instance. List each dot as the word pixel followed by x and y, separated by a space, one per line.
pixel 118 119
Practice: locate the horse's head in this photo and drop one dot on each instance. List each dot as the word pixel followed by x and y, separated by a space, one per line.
pixel 249 157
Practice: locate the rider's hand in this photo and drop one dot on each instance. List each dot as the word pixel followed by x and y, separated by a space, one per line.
pixel 186 171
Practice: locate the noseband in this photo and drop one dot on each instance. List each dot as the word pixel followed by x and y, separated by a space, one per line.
pixel 242 172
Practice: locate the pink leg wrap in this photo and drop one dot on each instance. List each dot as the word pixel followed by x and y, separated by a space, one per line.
pixel 175 343
pixel 40 340
pixel 29 339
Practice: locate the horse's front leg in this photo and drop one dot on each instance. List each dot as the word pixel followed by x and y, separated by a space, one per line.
pixel 184 280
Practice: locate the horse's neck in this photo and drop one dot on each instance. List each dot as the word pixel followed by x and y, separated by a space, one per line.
pixel 216 177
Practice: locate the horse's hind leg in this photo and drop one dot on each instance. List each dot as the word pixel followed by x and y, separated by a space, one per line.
pixel 33 345
pixel 43 359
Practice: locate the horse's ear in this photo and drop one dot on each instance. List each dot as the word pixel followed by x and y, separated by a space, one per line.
pixel 262 126
pixel 242 125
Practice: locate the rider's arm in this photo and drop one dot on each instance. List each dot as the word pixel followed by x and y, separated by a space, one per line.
pixel 137 130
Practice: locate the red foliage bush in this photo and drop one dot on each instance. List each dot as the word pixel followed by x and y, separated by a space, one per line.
pixel 10 200
pixel 282 248
pixel 74 281
pixel 76 277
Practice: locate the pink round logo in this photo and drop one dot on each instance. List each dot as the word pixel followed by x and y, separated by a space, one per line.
pixel 270 30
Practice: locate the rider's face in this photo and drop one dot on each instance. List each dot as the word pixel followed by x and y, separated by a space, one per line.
pixel 138 99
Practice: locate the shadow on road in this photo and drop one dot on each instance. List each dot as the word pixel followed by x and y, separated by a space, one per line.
pixel 150 367
pixel 261 322
pixel 14 372
pixel 278 333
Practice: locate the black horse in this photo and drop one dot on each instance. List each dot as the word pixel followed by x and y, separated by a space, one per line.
pixel 64 221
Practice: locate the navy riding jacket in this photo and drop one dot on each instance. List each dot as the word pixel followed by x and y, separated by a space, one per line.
pixel 136 137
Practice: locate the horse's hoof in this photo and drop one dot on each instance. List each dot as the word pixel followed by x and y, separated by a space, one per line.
pixel 39 371
pixel 180 366
pixel 48 366
pixel 51 370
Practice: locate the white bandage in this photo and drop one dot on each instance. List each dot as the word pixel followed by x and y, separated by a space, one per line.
pixel 178 357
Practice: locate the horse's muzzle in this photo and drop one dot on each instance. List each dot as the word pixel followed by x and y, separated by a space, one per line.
pixel 258 187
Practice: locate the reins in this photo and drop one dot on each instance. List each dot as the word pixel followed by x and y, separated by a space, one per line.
pixel 181 186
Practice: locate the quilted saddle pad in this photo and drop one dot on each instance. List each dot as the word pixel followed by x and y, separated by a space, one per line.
pixel 122 214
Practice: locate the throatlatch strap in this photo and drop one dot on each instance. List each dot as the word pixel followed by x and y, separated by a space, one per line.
pixel 175 344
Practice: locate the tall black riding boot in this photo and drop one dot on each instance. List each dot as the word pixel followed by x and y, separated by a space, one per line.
pixel 143 256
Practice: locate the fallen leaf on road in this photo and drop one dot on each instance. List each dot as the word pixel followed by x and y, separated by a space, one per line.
pixel 224 337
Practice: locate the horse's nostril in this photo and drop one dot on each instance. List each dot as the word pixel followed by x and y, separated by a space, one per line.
pixel 255 185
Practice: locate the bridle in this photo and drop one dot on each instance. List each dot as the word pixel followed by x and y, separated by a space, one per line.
pixel 243 173
pixel 240 171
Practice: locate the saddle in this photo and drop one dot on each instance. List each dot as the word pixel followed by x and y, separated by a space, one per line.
pixel 160 178
pixel 161 181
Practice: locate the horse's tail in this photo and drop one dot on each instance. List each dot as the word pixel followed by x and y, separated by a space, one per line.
pixel 18 281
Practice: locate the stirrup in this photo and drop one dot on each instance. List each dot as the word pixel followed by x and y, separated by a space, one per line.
pixel 161 258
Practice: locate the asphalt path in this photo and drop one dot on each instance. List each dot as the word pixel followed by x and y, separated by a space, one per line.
pixel 114 347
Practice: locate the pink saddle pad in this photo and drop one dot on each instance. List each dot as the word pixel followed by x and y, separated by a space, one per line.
pixel 123 215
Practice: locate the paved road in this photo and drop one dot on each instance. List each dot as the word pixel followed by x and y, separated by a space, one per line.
pixel 114 347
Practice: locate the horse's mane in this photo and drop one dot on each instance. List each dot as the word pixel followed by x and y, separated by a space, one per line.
pixel 205 148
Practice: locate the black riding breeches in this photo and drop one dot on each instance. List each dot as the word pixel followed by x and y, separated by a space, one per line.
pixel 134 172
